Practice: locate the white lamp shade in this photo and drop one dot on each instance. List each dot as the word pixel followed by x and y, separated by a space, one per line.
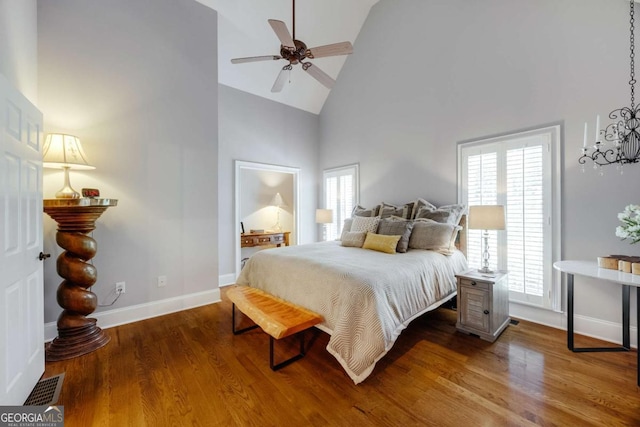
pixel 64 151
pixel 277 201
pixel 486 217
pixel 324 216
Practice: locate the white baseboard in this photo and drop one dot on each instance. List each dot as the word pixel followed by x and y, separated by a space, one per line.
pixel 227 279
pixel 583 325
pixel 135 313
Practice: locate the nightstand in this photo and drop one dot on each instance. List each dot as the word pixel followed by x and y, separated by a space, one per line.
pixel 483 304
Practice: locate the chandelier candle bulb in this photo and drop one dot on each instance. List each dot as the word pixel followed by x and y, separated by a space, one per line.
pixel 584 140
pixel 597 128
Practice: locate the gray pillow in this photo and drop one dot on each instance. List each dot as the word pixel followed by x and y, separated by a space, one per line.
pixel 387 210
pixel 418 204
pixel 434 236
pixel 449 214
pixel 354 239
pixel 346 227
pixel 397 227
pixel 362 211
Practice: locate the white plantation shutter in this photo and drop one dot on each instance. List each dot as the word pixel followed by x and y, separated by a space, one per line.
pixel 341 196
pixel 517 171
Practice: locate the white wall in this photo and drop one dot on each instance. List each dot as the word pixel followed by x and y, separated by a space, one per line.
pixel 258 130
pixel 19 45
pixel 428 74
pixel 137 82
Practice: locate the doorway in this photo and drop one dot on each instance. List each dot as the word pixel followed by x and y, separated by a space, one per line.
pixel 257 185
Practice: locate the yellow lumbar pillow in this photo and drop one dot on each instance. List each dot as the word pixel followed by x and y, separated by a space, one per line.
pixel 381 243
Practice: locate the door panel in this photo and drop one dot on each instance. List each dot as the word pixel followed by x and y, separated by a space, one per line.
pixel 21 280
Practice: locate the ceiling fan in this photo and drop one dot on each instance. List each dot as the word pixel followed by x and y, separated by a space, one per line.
pixel 296 52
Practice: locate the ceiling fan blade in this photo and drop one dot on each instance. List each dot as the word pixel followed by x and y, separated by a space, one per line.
pixel 280 28
pixel 281 79
pixel 342 48
pixel 255 59
pixel 318 74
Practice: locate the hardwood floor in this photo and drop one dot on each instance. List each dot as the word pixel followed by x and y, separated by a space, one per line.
pixel 188 369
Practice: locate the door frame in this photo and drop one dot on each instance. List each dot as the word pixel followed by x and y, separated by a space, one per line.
pixel 241 165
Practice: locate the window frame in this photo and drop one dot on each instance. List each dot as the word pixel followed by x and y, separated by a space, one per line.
pixel 552 294
pixel 350 169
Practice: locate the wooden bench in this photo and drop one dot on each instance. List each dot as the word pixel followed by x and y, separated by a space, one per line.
pixel 275 316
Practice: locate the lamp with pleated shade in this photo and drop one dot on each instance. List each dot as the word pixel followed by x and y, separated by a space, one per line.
pixel 486 217
pixel 65 152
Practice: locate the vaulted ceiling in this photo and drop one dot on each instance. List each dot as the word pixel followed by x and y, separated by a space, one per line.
pixel 243 31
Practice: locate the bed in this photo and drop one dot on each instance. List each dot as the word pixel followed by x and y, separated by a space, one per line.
pixel 366 297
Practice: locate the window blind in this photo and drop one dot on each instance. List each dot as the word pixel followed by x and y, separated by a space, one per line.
pixel 341 196
pixel 516 171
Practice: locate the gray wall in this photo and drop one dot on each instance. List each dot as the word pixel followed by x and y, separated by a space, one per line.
pixel 258 130
pixel 137 82
pixel 428 74
pixel 19 45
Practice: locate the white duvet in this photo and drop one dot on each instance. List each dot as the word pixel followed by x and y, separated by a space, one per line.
pixel 366 297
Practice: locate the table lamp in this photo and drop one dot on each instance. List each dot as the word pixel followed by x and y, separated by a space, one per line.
pixel 486 217
pixel 65 152
pixel 324 216
pixel 278 202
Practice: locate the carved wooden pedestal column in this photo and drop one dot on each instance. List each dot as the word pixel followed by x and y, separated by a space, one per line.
pixel 77 334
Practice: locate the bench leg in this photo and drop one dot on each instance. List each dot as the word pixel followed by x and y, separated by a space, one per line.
pixel 233 323
pixel 288 361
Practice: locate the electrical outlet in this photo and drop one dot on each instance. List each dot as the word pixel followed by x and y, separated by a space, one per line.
pixel 162 281
pixel 120 288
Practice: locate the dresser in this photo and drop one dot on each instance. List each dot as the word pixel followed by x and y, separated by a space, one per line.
pixel 483 304
pixel 268 238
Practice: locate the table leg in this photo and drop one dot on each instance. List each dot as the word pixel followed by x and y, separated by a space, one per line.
pixel 570 325
pixel 570 311
pixel 626 326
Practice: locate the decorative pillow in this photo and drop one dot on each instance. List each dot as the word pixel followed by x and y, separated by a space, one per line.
pixel 387 210
pixel 407 209
pixel 346 227
pixel 434 236
pixel 449 214
pixel 353 239
pixel 395 226
pixel 380 243
pixel 362 223
pixel 361 211
pixel 420 203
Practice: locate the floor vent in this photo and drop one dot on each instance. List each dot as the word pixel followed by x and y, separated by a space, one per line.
pixel 46 391
pixel 514 321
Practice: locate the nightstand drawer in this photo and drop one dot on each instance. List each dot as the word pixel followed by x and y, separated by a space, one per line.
pixel 248 241
pixel 277 239
pixel 475 283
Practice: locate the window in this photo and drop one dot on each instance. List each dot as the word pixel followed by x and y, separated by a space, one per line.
pixel 341 192
pixel 520 171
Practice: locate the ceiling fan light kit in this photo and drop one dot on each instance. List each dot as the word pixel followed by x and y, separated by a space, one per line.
pixel 296 52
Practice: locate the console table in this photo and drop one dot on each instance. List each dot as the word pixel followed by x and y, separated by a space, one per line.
pixel 626 280
pixel 268 238
pixel 77 334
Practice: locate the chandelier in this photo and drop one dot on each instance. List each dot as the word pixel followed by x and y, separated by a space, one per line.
pixel 621 143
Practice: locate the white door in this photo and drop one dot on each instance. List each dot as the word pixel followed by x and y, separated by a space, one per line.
pixel 21 282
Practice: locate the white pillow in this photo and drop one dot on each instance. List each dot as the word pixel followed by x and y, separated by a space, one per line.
pixel 363 223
